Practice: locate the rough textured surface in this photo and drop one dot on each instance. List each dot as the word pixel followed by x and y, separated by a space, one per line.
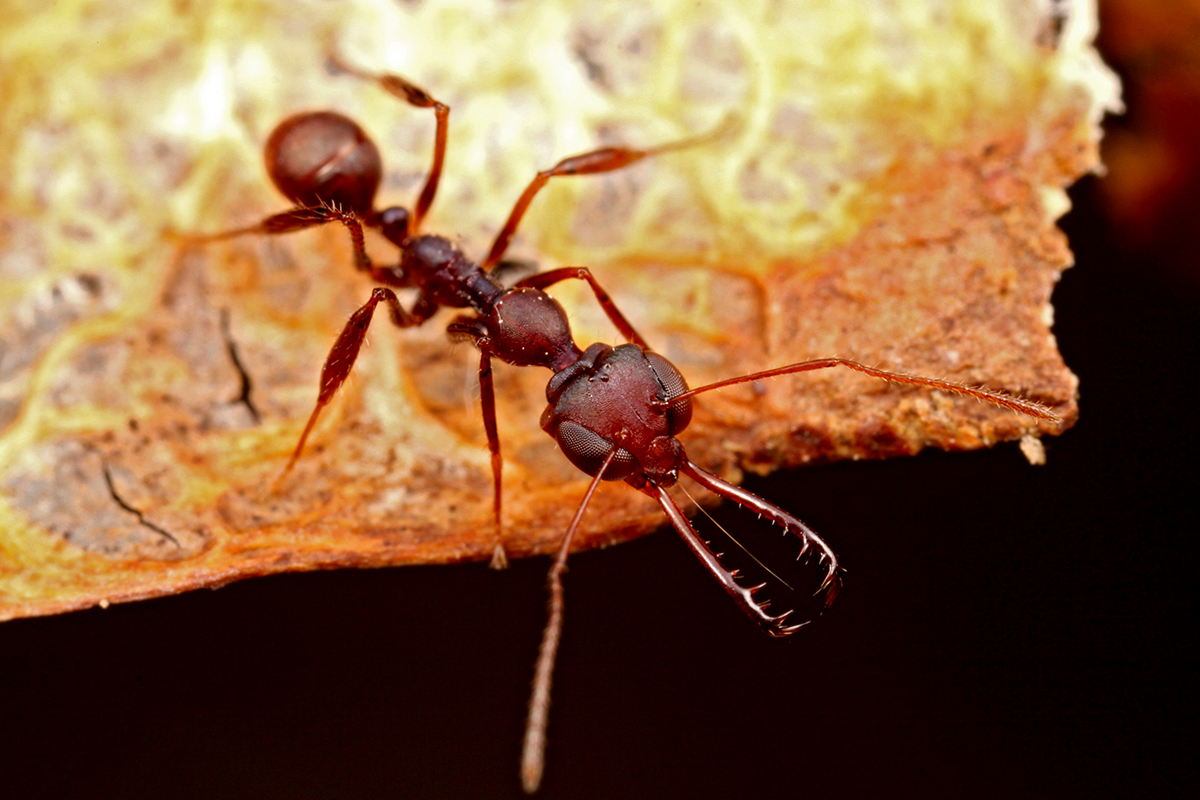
pixel 917 234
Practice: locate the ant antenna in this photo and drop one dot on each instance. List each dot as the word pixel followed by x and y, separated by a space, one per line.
pixel 1028 407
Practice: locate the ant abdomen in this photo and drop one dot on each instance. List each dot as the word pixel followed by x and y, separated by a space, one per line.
pixel 324 159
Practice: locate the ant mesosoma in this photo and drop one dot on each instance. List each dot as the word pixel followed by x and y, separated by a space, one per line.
pixel 614 411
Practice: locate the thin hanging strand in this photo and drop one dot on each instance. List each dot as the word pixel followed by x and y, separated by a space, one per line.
pixel 533 750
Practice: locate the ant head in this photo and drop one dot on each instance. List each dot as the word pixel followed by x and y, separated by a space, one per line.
pixel 620 398
pixel 323 158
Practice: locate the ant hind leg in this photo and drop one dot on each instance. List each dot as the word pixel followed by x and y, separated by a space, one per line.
pixel 342 356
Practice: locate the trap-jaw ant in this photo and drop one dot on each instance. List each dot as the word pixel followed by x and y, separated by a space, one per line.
pixel 614 411
pixel 330 169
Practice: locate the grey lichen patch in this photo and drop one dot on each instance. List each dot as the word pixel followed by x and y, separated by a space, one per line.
pixel 69 489
pixel 44 312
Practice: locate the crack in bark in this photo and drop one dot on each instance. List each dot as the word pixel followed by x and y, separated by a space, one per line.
pixel 112 489
pixel 246 384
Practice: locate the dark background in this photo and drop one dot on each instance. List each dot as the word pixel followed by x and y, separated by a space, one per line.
pixel 1005 630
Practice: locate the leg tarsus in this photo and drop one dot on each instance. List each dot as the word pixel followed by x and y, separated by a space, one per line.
pixel 303 218
pixel 294 219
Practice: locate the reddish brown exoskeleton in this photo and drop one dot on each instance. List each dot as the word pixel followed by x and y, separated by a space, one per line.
pixel 614 411
pixel 330 169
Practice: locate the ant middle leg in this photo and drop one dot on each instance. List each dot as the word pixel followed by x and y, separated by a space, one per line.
pixel 487 400
pixel 414 95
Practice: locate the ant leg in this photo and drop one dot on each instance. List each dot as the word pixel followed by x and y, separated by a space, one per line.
pixel 474 328
pixel 298 219
pixel 544 279
pixel 487 399
pixel 342 356
pixel 533 749
pixel 604 159
pixel 1027 407
pixel 749 500
pixel 414 95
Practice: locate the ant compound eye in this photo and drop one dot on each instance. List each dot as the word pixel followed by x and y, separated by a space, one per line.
pixel 324 158
pixel 673 385
pixel 587 450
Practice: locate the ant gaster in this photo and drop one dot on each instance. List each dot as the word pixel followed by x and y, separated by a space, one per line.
pixel 614 411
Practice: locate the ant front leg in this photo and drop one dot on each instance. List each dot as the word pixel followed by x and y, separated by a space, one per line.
pixel 414 95
pixel 475 329
pixel 345 352
pixel 487 401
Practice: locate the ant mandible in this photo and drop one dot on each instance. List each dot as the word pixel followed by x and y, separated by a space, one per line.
pixel 614 411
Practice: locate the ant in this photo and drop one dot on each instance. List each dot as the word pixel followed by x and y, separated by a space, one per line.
pixel 615 412
pixel 330 169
